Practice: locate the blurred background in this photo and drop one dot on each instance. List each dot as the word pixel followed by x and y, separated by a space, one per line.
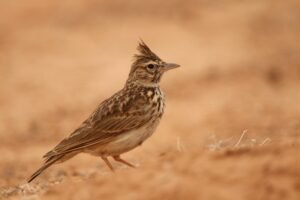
pixel 240 74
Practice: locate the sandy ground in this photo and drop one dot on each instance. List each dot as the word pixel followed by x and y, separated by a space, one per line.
pixel 232 123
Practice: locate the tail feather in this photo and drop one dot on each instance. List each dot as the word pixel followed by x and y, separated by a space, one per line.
pixel 47 164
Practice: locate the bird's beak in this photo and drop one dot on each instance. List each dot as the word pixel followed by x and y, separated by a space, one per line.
pixel 168 66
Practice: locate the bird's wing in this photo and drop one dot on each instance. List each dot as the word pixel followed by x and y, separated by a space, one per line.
pixel 112 118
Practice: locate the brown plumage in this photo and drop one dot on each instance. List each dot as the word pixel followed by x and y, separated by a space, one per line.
pixel 123 121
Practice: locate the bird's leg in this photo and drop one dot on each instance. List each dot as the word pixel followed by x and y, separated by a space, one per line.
pixel 119 159
pixel 108 163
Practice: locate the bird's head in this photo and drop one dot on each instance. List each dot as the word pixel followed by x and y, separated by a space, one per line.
pixel 147 68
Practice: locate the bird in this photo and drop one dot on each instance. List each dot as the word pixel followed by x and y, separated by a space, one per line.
pixel 123 121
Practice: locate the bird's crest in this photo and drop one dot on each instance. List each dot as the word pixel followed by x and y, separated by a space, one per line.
pixel 145 53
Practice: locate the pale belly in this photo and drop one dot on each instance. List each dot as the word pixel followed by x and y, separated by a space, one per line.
pixel 123 143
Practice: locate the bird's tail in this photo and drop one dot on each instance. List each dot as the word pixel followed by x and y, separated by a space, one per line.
pixel 47 164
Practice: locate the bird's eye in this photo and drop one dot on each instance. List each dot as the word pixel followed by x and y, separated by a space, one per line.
pixel 150 66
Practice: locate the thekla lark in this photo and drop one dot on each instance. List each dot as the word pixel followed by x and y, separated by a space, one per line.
pixel 121 122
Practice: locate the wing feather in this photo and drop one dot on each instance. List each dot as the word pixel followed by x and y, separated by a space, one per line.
pixel 107 122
